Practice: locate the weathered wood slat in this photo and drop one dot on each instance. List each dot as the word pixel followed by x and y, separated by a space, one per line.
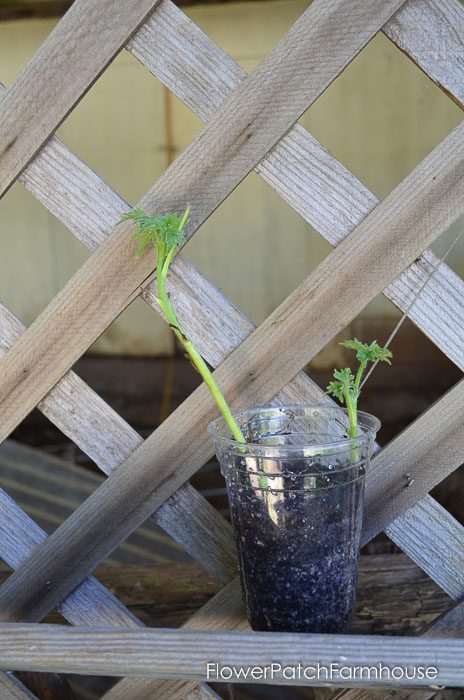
pixel 393 468
pixel 298 168
pixel 379 694
pixel 90 604
pixel 98 430
pixel 183 654
pixel 55 172
pixel 383 244
pixel 55 162
pixel 450 624
pixel 431 33
pixel 440 555
pixel 237 137
pixel 444 560
pixel 224 611
pixel 429 449
pixel 52 488
pixel 12 689
pixel 66 65
pixel 186 515
pixel 394 573
pixel 391 591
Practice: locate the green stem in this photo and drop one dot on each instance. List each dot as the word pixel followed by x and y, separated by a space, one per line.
pixel 357 381
pixel 198 361
pixel 351 406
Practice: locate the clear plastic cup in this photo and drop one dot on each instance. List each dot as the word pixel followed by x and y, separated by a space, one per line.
pixel 296 493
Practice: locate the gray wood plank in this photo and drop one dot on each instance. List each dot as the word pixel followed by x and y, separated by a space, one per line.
pixel 184 654
pixel 66 65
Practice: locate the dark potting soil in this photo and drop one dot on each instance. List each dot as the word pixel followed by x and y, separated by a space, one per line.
pixel 298 554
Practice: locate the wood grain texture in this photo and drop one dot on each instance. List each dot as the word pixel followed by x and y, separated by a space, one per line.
pixel 90 603
pixel 66 65
pixel 393 598
pixel 183 654
pixel 383 244
pixel 435 438
pixel 12 689
pixel 431 33
pixel 301 66
pixel 378 694
pixel 298 168
pixel 450 624
pixel 385 583
pixel 108 440
pixel 435 541
pixel 104 435
pixel 224 611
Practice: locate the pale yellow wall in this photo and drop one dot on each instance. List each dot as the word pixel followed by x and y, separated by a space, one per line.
pixel 380 118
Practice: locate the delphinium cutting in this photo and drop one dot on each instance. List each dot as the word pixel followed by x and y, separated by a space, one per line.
pixel 165 233
pixel 346 386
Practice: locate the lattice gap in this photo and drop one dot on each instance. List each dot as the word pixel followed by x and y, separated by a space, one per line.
pixel 331 199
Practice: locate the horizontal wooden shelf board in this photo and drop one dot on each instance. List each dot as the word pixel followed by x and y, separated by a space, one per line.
pixel 184 654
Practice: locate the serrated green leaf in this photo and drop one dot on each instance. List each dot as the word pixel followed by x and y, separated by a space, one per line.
pixel 345 375
pixel 368 353
pixel 154 231
pixel 336 389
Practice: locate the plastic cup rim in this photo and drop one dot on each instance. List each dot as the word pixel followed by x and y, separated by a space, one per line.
pixel 368 431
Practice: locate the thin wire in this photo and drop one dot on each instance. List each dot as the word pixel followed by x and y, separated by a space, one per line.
pixel 415 298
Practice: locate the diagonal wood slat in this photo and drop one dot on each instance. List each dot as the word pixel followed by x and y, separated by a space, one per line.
pixel 239 135
pixel 91 603
pixel 166 8
pixel 186 513
pixel 450 624
pixel 298 168
pixel 12 689
pixel 107 439
pixel 434 438
pixel 431 33
pixel 434 540
pixel 224 611
pixel 74 55
pixel 403 225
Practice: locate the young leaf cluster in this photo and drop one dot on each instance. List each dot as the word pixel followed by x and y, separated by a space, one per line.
pixel 162 232
pixel 346 386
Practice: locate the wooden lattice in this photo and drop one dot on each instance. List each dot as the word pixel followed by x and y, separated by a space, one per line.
pixel 250 124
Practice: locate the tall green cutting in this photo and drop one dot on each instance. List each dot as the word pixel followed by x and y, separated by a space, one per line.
pixel 165 234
